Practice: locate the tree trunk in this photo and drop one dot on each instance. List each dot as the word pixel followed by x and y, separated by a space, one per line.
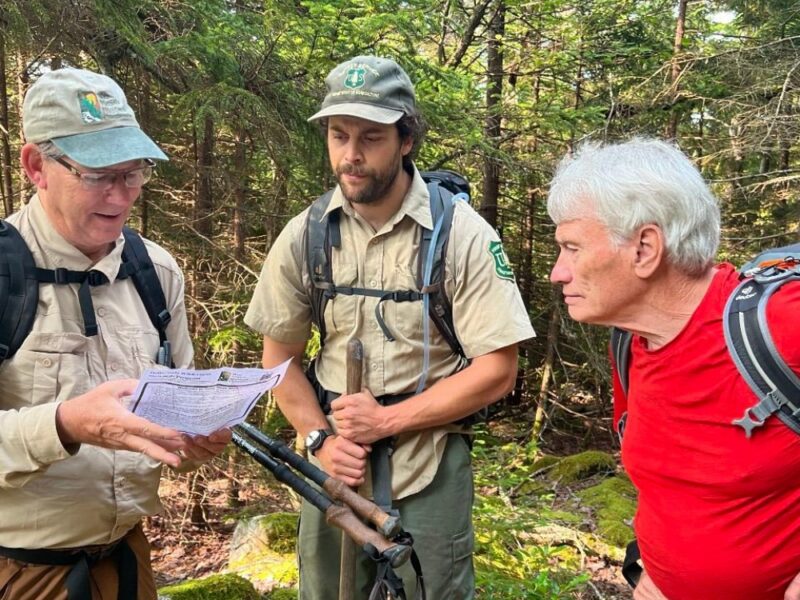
pixel 22 87
pixel 6 186
pixel 671 131
pixel 547 368
pixel 494 95
pixel 204 207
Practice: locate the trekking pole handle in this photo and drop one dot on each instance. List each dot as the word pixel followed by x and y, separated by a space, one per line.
pixel 387 524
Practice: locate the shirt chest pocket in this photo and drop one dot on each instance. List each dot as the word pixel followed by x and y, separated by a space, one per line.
pixel 48 367
pixel 340 312
pixel 404 319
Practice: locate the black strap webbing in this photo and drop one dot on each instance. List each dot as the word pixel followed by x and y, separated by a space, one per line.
pixel 631 567
pixel 78 583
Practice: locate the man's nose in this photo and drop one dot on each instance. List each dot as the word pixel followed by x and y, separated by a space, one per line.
pixel 353 152
pixel 560 273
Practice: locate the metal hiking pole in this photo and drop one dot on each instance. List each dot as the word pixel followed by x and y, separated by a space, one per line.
pixel 347 566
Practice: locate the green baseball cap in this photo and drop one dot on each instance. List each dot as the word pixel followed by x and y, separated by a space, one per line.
pixel 368 87
pixel 87 117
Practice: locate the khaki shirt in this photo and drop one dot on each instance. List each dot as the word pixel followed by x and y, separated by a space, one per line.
pixel 50 498
pixel 488 312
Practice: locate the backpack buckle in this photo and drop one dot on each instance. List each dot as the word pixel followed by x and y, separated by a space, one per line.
pixel 61 275
pixel 755 416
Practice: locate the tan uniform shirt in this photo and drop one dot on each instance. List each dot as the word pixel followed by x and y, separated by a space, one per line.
pixel 488 312
pixel 48 497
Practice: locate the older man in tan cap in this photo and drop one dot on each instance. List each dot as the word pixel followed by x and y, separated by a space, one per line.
pixel 77 470
pixel 404 439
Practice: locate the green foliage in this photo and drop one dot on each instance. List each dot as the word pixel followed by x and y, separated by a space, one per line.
pixel 215 587
pixel 507 564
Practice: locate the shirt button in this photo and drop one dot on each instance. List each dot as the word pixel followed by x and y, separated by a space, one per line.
pixel 47 362
pixel 373 282
pixel 101 312
pixel 114 366
pixel 374 366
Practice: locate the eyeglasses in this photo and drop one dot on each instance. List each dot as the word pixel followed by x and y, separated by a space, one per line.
pixel 102 180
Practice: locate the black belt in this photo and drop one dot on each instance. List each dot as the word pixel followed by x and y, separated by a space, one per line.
pixel 77 582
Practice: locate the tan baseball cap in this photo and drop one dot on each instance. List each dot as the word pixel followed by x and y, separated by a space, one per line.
pixel 368 87
pixel 87 117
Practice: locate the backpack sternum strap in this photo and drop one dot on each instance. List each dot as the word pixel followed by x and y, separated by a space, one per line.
pixel 753 350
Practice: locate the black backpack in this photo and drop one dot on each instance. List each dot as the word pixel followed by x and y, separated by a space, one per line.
pixel 323 233
pixel 19 289
pixel 749 341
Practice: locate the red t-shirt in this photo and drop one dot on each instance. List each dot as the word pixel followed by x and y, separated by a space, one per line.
pixel 718 514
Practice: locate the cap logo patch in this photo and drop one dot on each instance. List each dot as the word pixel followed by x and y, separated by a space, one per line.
pixel 91 111
pixel 501 267
pixel 354 78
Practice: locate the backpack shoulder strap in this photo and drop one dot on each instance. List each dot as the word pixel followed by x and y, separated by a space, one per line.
pixel 621 351
pixel 140 268
pixel 322 233
pixel 753 350
pixel 19 290
pixel 620 344
pixel 433 259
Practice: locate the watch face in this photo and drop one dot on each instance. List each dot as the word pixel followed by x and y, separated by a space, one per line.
pixel 313 439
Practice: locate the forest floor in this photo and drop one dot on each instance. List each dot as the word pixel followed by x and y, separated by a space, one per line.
pixel 184 551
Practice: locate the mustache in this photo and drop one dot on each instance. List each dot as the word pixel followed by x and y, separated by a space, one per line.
pixel 351 170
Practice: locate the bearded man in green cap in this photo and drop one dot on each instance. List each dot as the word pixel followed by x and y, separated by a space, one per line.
pixel 78 471
pixel 382 204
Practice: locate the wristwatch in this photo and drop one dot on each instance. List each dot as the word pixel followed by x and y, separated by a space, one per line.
pixel 316 438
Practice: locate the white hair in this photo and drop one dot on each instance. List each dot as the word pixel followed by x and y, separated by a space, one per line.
pixel 630 184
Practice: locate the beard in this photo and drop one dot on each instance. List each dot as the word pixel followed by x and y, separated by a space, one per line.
pixel 377 184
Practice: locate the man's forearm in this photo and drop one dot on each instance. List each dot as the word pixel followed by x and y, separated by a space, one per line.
pixel 487 379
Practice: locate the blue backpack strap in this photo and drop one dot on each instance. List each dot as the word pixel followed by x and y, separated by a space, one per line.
pixel 753 350
pixel 19 290
pixel 440 308
pixel 139 267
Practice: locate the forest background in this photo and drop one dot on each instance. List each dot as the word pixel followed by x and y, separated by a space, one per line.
pixel 507 86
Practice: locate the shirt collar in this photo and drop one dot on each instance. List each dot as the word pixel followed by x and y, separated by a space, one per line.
pixel 59 253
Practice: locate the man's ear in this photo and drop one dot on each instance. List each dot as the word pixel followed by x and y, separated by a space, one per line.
pixel 650 250
pixel 406 144
pixel 32 161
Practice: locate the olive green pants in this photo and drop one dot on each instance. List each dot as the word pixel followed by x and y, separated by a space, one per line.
pixel 440 520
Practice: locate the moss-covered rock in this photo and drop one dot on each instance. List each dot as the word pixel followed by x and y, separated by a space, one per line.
pixel 582 466
pixel 262 550
pixel 217 587
pixel 614 504
pixel 275 532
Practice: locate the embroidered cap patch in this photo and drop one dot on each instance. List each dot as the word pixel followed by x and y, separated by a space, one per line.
pixel 91 111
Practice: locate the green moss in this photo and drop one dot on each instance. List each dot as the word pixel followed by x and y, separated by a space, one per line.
pixel 614 504
pixel 281 594
pixel 582 466
pixel 216 587
pixel 544 463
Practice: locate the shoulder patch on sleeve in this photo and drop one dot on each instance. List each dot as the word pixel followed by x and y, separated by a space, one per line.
pixel 501 267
